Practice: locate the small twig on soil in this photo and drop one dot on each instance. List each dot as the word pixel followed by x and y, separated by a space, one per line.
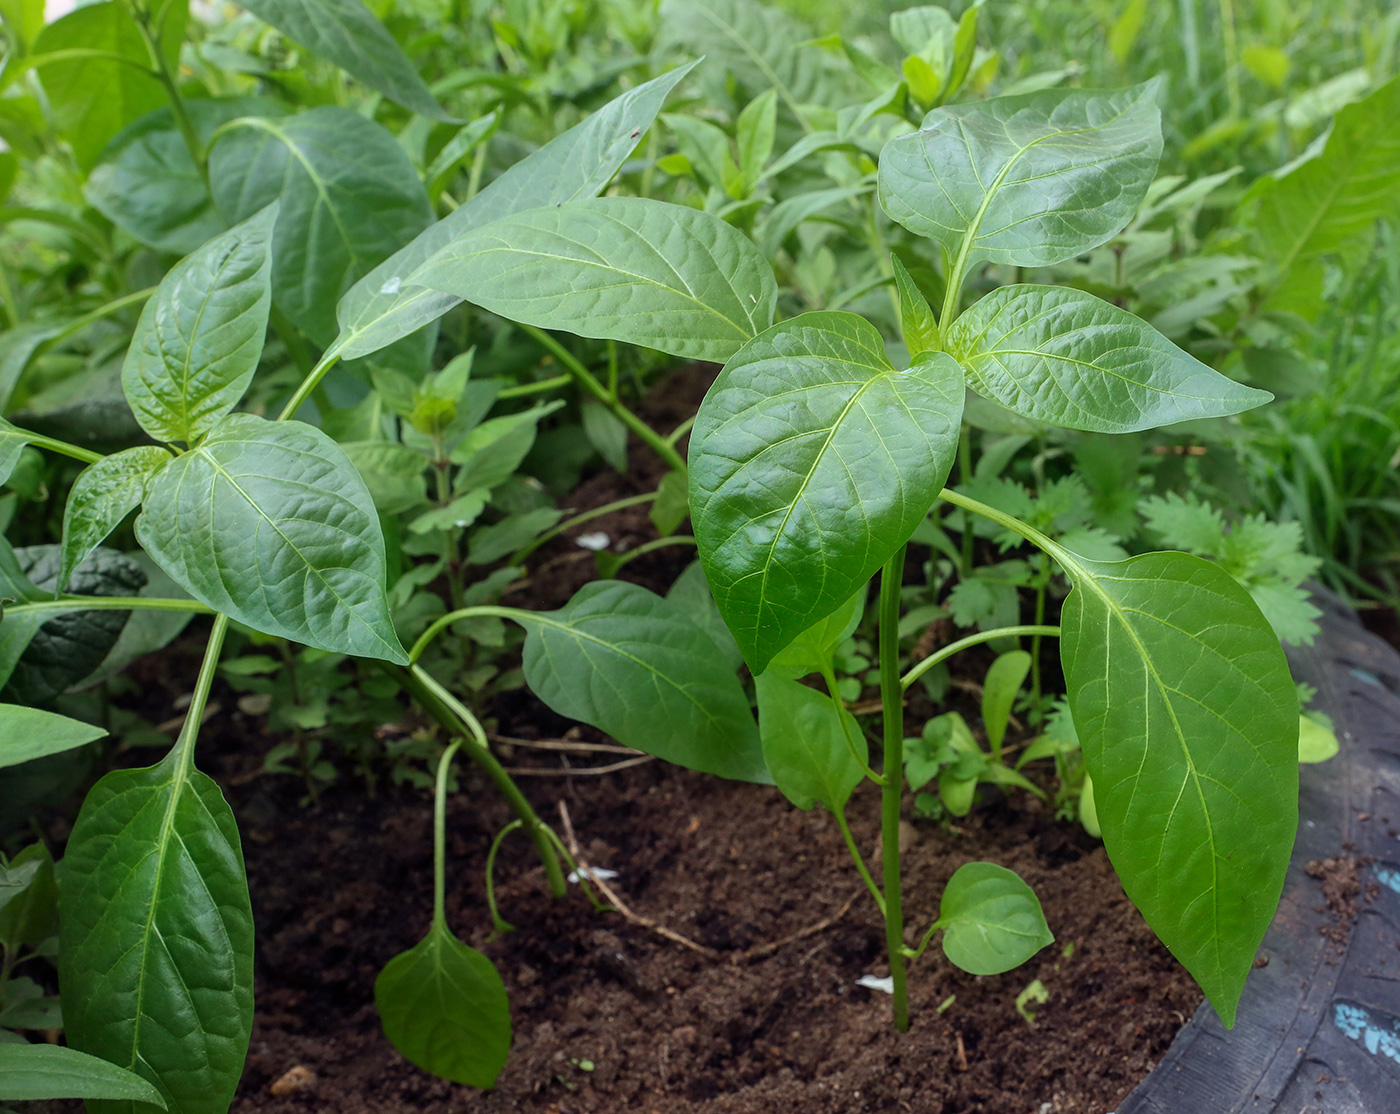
pixel 962 1054
pixel 174 723
pixel 573 771
pixel 564 744
pixel 670 934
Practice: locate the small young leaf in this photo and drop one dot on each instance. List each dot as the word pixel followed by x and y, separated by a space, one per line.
pixel 1064 357
pixel 269 523
pixel 103 494
pixel 1003 682
pixel 631 664
pixel 803 743
pixel 201 334
pixel 28 733
pixel 916 318
pixel 672 505
pixel 35 1072
pixel 1317 742
pixel 755 131
pixel 445 1009
pixel 606 433
pixel 992 921
pixel 491 452
pixel 812 460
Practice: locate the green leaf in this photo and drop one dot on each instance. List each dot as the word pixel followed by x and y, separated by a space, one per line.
pixel 1003 682
pixel 1317 742
pixel 631 664
pixel 34 1072
pixel 269 523
pixel 692 596
pixel 201 334
pixel 606 433
pixel 916 320
pixel 1188 720
pixel 28 733
pixel 445 1009
pixel 1328 204
pixel 755 131
pixel 992 921
pixel 812 460
pixel 156 943
pixel 804 743
pixel 382 306
pixel 1064 357
pixel 349 198
pixel 672 506
pixel 1029 180
pixel 347 33
pixel 491 452
pixel 392 472
pixel 618 268
pixel 12 443
pixel 103 494
pixel 812 650
pixel 28 897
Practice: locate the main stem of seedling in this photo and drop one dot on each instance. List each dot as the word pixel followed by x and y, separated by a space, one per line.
pixel 892 703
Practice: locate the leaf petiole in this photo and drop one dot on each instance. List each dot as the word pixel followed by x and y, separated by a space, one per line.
pixel 1031 630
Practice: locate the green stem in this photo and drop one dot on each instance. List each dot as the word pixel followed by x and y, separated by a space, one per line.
pixel 891 792
pixel 539 387
pixel 829 679
pixel 1042 585
pixel 441 624
pixel 680 431
pixel 160 65
pixel 590 383
pixel 859 859
pixel 599 905
pixel 184 745
pixel 107 603
pixel 440 835
pixel 578 520
pixel 965 474
pixel 650 547
pixel 499 923
pixel 914 953
pixel 971 640
pixel 1011 522
pixel 309 384
pixel 87 456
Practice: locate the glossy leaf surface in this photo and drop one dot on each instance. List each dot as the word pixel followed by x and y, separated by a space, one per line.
pixel 445 1009
pixel 382 306
pixel 103 494
pixel 1067 358
pixel 812 460
pixel 28 733
pixel 269 523
pixel 992 921
pixel 1188 720
pixel 812 650
pixel 618 268
pixel 1028 180
pixel 34 1072
pixel 12 442
pixel 200 335
pixel 156 941
pixel 804 743
pixel 630 663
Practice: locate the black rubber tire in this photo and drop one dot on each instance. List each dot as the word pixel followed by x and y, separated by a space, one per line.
pixel 1318 1029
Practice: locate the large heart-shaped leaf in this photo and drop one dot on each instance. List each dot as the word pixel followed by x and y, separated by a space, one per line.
pixel 630 663
pixel 269 523
pixel 1064 357
pixel 201 334
pixel 28 733
pixel 349 199
pixel 445 1009
pixel 812 460
pixel 156 938
pixel 103 494
pixel 1188 719
pixel 805 743
pixel 382 307
pixel 348 34
pixel 1028 180
pixel 33 1072
pixel 619 268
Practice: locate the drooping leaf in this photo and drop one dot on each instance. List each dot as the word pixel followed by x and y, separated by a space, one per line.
pixel 156 938
pixel 804 743
pixel 382 307
pixel 347 33
pixel 34 1072
pixel 1188 719
pixel 620 268
pixel 269 523
pixel 631 664
pixel 445 1009
pixel 349 199
pixel 1028 180
pixel 28 733
pixel 992 920
pixel 1064 357
pixel 812 460
pixel 103 494
pixel 201 334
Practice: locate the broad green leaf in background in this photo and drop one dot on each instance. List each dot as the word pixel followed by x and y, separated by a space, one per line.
pixel 156 936
pixel 103 494
pixel 1028 180
pixel 269 523
pixel 28 896
pixel 630 663
pixel 813 460
pixel 445 1009
pixel 348 33
pixel 1328 204
pixel 94 98
pixel 349 198
pixel 619 268
pixel 999 690
pixel 392 472
pixel 786 215
pixel 381 307
pixel 490 453
pixel 201 334
pixel 605 432
pixel 691 595
pixel 804 743
pixel 1067 358
pixel 991 920
pixel 34 1072
pixel 1188 720
pixel 27 733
